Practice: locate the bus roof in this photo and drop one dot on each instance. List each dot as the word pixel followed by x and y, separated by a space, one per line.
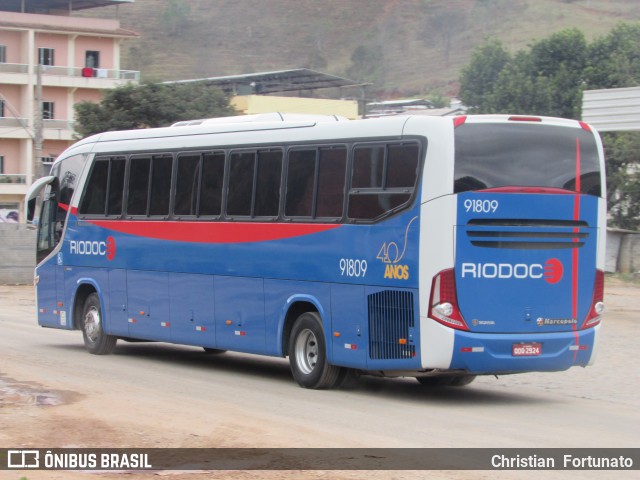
pixel 295 127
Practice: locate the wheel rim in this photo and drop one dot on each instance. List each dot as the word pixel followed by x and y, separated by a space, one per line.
pixel 92 324
pixel 306 351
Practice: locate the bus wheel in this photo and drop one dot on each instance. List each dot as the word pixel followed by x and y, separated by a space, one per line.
pixel 435 381
pixel 446 381
pixel 308 354
pixel 463 380
pixel 213 351
pixel 95 340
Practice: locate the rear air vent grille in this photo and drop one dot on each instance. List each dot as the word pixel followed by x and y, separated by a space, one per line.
pixel 527 234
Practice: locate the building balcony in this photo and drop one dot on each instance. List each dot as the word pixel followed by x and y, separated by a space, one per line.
pixel 14 68
pixel 13 178
pixel 13 184
pixel 58 130
pixel 22 128
pixel 75 77
pixel 17 128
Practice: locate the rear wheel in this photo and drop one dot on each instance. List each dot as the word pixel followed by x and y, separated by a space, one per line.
pixel 308 354
pixel 446 380
pixel 213 351
pixel 435 381
pixel 96 340
pixel 462 380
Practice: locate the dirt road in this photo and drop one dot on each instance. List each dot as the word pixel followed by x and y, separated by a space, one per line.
pixel 54 394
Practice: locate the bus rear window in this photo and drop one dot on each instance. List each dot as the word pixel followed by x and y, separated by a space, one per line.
pixel 497 155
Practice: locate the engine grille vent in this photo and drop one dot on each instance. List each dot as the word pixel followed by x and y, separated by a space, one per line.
pixel 391 316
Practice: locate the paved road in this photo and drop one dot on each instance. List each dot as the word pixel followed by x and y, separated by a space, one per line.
pixel 54 394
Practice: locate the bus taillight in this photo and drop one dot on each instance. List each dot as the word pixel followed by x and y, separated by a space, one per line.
pixel 459 120
pixel 597 304
pixel 443 306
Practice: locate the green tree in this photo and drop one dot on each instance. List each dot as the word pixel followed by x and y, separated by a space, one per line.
pixel 150 105
pixel 623 178
pixel 478 78
pixel 614 60
pixel 545 80
pixel 561 59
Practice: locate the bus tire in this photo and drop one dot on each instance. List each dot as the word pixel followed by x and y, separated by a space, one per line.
pixel 442 381
pixel 213 351
pixel 96 340
pixel 462 380
pixel 446 381
pixel 308 354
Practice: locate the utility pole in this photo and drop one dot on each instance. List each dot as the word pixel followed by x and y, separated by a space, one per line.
pixel 38 127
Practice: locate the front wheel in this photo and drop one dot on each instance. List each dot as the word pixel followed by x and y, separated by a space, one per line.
pixel 96 340
pixel 308 354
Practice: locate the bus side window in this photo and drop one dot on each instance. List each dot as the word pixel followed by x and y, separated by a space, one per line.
pixel 160 195
pixel 187 184
pixel 254 183
pixel 139 168
pixel 383 179
pixel 116 186
pixel 149 190
pixel 315 182
pixel 103 191
pixel 95 193
pixel 300 183
pixel 212 181
pixel 240 192
pixel 331 178
pixel 269 176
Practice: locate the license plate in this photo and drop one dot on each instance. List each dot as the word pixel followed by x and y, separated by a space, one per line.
pixel 526 349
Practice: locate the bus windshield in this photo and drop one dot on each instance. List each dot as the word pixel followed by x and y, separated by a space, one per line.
pixel 494 155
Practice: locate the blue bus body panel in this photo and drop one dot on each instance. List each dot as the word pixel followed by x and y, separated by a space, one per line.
pixel 528 266
pixel 525 274
pixel 234 294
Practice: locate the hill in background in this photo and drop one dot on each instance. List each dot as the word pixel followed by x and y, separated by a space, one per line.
pixel 405 47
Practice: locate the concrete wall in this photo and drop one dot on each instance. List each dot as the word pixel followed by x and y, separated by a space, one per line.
pixel 629 254
pixel 17 253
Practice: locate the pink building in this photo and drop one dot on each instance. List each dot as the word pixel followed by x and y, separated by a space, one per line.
pixel 79 58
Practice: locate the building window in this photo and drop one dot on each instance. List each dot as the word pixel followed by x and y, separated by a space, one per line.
pixel 92 59
pixel 45 56
pixel 3 54
pixel 1 164
pixel 1 108
pixel 47 111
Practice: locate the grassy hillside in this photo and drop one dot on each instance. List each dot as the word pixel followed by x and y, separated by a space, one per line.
pixel 416 46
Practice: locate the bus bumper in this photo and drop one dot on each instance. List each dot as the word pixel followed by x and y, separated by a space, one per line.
pixel 512 353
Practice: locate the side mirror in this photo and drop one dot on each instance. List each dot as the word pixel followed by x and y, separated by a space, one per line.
pixel 32 194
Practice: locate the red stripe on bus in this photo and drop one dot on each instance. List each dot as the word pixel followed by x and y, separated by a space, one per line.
pixel 213 232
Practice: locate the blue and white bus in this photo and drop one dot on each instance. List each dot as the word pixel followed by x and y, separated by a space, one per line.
pixel 432 247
